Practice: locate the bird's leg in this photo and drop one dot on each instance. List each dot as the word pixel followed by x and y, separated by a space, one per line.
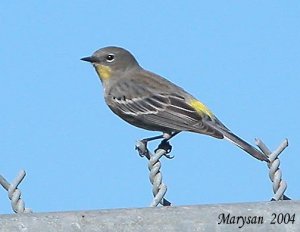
pixel 153 138
pixel 165 145
pixel 142 147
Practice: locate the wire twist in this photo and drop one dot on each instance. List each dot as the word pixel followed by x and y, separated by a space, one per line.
pixel 14 194
pixel 275 174
pixel 159 189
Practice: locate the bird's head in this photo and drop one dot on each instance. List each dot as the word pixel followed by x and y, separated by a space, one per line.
pixel 110 62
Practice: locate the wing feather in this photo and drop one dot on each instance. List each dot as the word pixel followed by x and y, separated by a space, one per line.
pixel 166 112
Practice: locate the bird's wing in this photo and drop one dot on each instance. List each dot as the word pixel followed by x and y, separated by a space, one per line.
pixel 161 110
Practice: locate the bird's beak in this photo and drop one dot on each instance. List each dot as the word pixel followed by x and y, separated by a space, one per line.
pixel 91 59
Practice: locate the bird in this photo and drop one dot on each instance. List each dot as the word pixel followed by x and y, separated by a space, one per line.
pixel 150 101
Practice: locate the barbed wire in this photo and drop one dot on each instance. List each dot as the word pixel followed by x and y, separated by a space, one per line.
pixel 275 174
pixel 159 189
pixel 14 194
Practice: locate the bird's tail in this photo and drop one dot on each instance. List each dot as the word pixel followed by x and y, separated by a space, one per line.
pixel 238 141
pixel 245 146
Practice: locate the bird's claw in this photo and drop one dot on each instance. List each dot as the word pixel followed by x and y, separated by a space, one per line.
pixel 169 156
pixel 141 147
pixel 165 145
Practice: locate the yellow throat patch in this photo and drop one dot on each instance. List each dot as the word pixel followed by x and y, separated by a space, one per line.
pixel 104 72
pixel 200 107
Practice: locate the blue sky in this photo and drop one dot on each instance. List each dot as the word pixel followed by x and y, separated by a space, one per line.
pixel 241 58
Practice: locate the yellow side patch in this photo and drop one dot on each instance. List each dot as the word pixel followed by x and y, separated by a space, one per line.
pixel 104 72
pixel 200 107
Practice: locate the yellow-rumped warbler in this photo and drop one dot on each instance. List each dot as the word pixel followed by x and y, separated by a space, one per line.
pixel 149 101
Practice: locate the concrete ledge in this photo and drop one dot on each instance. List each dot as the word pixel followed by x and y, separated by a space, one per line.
pixel 264 216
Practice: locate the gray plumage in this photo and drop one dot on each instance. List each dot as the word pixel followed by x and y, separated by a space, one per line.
pixel 151 102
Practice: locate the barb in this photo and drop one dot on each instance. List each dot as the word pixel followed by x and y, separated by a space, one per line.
pixel 275 174
pixel 159 189
pixel 14 194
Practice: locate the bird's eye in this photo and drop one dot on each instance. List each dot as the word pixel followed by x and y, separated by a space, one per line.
pixel 110 57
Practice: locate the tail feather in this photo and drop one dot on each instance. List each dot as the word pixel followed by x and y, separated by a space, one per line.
pixel 239 142
pixel 245 146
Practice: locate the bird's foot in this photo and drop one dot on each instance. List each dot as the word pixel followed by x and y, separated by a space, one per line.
pixel 141 147
pixel 165 145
